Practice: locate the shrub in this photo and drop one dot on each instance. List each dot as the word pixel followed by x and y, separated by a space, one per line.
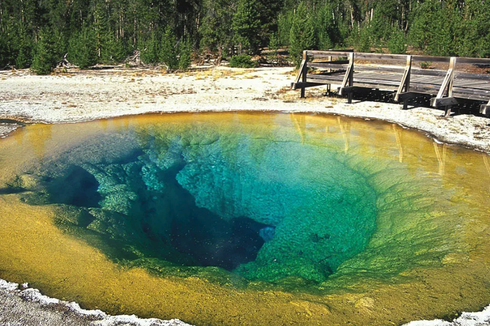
pixel 242 61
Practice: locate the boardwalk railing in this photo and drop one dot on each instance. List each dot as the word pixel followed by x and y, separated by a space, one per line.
pixel 402 74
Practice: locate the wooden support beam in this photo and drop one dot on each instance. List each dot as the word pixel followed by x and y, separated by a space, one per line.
pixel 301 85
pixel 326 54
pixel 405 97
pixel 350 89
pixel 405 82
pixel 475 61
pixel 485 109
pixel 332 62
pixel 426 58
pixel 348 78
pixel 443 102
pixel 336 72
pixel 410 95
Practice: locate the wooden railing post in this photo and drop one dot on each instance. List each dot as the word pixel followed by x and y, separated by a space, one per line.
pixel 304 72
pixel 349 78
pixel 446 89
pixel 405 82
pixel 452 67
pixel 445 97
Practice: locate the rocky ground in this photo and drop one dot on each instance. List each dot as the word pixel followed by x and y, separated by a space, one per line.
pixel 76 96
pixel 24 306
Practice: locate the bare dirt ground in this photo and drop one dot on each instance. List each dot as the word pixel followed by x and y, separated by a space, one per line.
pixel 77 96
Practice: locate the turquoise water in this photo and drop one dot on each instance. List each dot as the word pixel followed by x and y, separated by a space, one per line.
pixel 265 209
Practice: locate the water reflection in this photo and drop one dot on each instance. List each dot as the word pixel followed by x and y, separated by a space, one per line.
pixel 398 136
pixel 440 150
pixel 345 131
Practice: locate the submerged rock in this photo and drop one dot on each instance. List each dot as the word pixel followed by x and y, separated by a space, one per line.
pixel 267 233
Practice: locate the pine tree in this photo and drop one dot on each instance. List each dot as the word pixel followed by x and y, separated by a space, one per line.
pixel 247 27
pixel 4 51
pixel 168 53
pixel 284 23
pixel 385 17
pixel 113 50
pixel 215 31
pixel 441 40
pixel 325 27
pixel 430 31
pixel 439 27
pixel 185 55
pixel 45 58
pixel 8 49
pixel 83 48
pixel 150 50
pixel 100 27
pixel 23 59
pixel 397 42
pixel 24 52
pixel 60 43
pixel 474 30
pixel 302 35
pixel 365 40
pixel 268 15
pixel 274 44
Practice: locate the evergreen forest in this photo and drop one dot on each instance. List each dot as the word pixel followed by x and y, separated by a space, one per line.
pixel 40 33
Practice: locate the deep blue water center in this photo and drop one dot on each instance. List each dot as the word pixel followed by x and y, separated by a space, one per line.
pixel 265 208
pixel 204 236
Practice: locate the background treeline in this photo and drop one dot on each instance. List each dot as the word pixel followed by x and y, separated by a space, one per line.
pixel 38 33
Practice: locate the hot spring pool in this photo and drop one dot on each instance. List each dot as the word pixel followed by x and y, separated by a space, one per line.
pixel 247 219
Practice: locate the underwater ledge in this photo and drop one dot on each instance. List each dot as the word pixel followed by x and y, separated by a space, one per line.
pixel 388 204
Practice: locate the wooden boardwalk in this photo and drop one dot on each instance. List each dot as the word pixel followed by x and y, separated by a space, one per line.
pixel 447 85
